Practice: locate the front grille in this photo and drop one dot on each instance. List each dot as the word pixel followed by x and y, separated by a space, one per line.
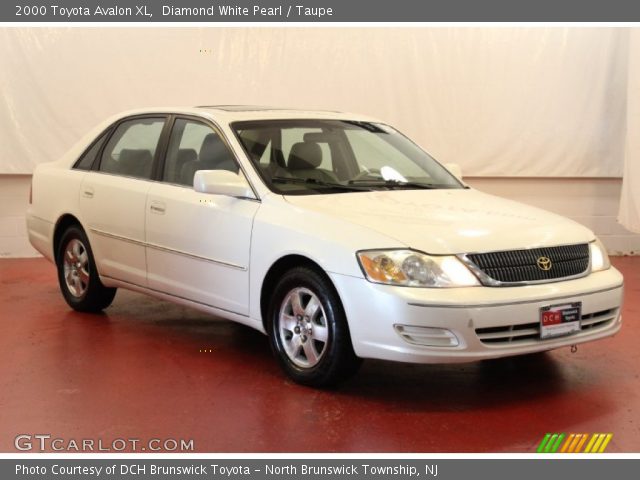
pixel 522 265
pixel 526 332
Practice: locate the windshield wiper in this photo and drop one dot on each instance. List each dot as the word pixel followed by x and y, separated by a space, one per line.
pixel 395 184
pixel 320 183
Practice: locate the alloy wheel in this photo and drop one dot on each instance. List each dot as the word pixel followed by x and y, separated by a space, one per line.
pixel 303 327
pixel 76 268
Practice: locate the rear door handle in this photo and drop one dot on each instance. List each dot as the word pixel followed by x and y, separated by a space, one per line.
pixel 157 207
pixel 87 192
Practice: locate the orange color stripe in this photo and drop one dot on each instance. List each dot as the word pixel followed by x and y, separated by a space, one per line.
pixel 582 440
pixel 572 448
pixel 567 442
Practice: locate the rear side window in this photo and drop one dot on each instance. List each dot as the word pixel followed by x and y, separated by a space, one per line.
pixel 86 160
pixel 132 147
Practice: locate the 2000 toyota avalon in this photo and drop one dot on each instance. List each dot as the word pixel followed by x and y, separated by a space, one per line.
pixel 332 233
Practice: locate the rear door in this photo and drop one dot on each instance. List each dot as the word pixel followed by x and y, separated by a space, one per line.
pixel 113 198
pixel 198 244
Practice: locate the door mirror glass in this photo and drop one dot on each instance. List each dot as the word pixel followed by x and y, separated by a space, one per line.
pixel 222 182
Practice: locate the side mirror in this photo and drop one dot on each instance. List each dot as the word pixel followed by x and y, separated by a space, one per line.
pixel 454 169
pixel 222 182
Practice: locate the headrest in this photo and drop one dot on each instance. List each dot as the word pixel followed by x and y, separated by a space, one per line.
pixel 134 162
pixel 213 150
pixel 304 156
pixel 186 155
pixel 137 155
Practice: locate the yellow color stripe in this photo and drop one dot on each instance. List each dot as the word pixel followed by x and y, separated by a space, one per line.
pixel 606 441
pixel 582 440
pixel 596 446
pixel 567 442
pixel 592 440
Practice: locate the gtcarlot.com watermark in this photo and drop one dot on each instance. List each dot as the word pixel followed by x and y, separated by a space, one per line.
pixel 45 442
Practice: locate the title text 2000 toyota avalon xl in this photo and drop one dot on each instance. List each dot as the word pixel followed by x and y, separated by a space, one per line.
pixel 333 233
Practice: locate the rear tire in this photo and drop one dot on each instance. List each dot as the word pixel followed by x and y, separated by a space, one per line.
pixel 308 330
pixel 77 273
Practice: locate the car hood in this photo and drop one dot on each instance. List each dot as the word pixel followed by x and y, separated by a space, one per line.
pixel 448 221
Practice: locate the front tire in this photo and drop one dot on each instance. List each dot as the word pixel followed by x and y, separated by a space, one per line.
pixel 77 273
pixel 308 330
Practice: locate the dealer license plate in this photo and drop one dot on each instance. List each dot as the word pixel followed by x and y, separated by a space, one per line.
pixel 560 320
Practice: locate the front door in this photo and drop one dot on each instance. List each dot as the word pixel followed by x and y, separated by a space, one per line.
pixel 198 244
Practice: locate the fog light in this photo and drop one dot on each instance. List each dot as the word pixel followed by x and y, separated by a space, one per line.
pixel 427 336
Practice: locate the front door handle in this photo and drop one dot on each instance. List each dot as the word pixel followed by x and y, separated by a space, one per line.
pixel 157 207
pixel 87 192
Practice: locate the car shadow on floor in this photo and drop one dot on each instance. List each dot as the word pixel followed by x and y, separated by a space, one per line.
pixel 487 383
pixel 409 387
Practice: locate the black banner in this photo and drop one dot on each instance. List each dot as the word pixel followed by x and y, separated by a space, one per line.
pixel 309 11
pixel 334 469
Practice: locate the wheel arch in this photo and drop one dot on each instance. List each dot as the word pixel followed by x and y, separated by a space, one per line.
pixel 64 222
pixel 277 269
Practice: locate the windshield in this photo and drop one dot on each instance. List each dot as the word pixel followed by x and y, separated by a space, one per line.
pixel 301 157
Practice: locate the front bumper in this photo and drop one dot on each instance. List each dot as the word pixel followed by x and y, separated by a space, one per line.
pixel 413 324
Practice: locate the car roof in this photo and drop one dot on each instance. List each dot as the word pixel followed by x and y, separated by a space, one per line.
pixel 232 113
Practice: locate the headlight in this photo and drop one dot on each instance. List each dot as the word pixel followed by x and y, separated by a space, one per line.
pixel 414 269
pixel 599 256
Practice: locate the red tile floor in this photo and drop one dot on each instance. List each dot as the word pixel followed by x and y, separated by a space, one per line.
pixel 138 372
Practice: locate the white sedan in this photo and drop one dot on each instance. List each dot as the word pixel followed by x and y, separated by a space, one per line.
pixel 332 233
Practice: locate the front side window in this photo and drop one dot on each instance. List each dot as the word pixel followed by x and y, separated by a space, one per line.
pixel 299 157
pixel 132 147
pixel 195 146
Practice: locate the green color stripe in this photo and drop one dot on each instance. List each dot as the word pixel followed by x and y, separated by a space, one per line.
pixel 543 443
pixel 550 443
pixel 555 448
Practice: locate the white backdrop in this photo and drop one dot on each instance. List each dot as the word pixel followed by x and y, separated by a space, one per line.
pixel 630 202
pixel 498 101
